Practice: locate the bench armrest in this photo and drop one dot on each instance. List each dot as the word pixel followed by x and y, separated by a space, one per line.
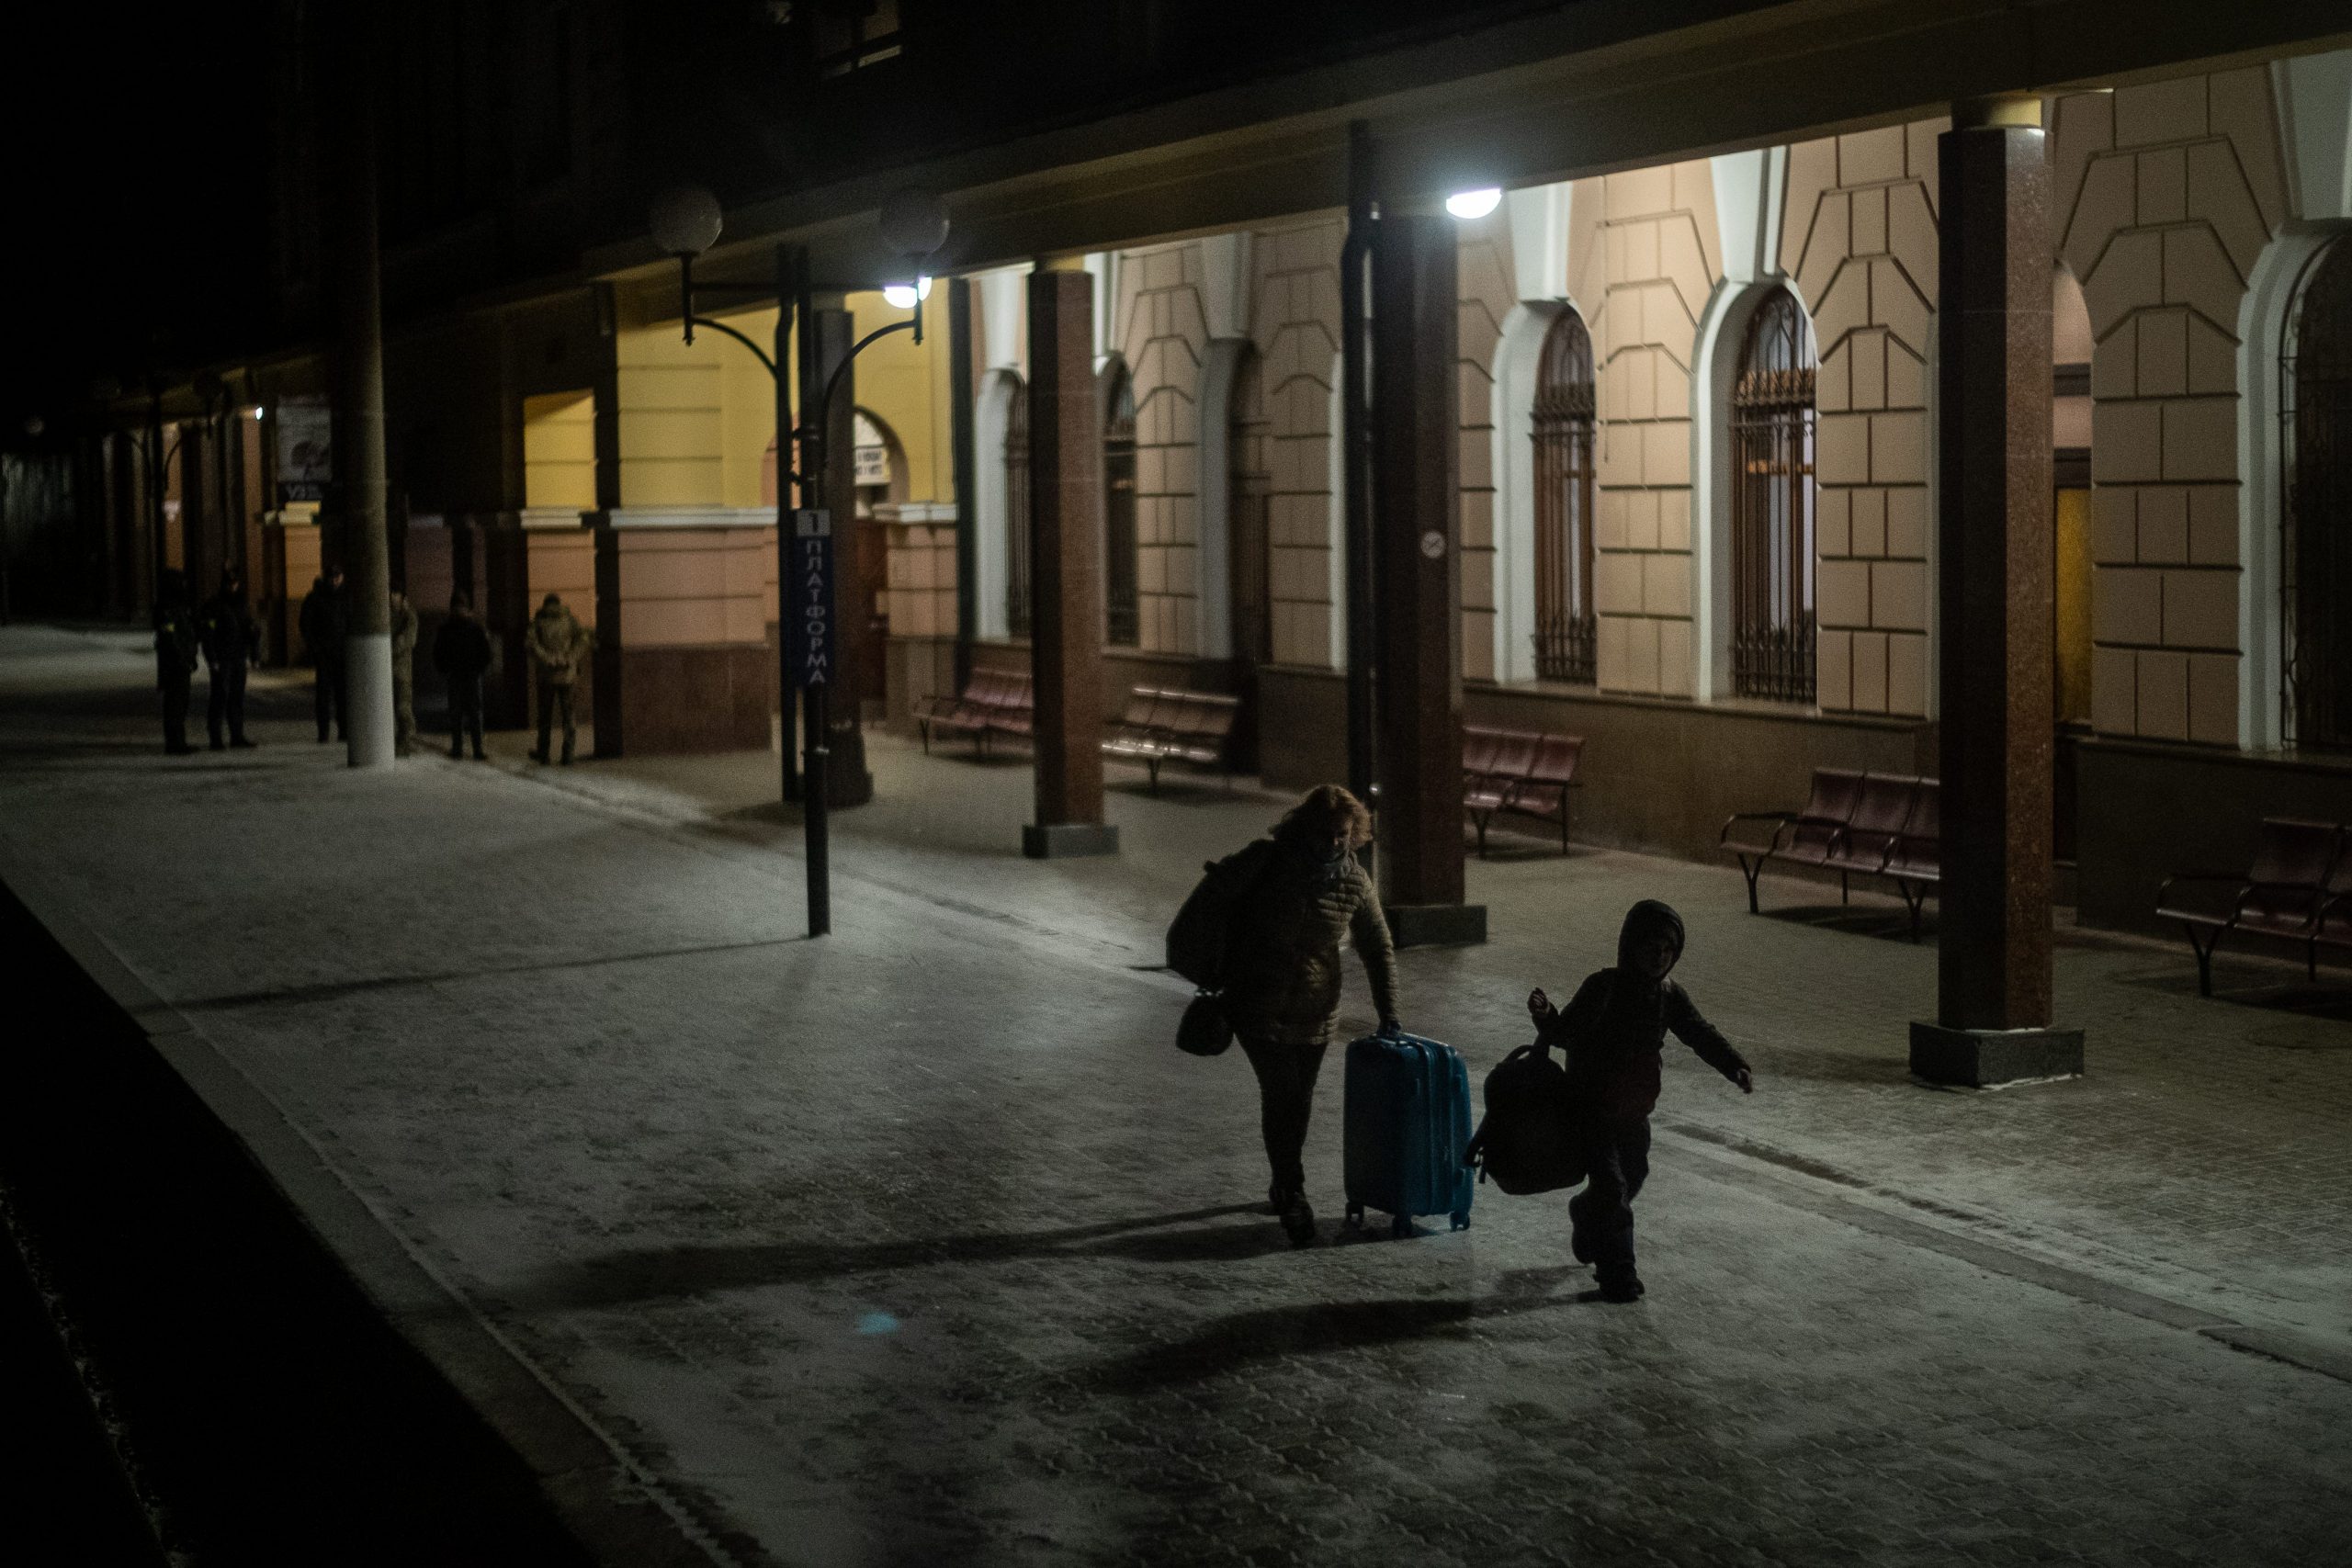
pixel 2234 878
pixel 1779 818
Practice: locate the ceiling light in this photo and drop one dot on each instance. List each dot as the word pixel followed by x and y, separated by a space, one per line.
pixel 1474 203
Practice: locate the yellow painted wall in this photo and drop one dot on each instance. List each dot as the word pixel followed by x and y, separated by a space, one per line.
pixel 906 386
pixel 559 450
pixel 747 411
pixel 695 421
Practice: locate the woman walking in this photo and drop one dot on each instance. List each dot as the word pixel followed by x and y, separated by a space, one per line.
pixel 1282 984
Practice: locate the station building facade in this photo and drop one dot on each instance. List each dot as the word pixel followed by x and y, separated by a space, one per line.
pixel 1698 434
pixel 1697 460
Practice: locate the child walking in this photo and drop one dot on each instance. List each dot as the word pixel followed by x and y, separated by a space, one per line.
pixel 1613 1030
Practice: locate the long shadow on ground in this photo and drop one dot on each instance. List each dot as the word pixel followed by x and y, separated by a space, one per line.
pixel 672 1272
pixel 1313 1328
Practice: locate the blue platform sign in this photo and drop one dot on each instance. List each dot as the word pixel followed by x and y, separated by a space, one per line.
pixel 808 598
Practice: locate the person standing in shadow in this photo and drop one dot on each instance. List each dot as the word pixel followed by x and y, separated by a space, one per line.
pixel 461 652
pixel 558 642
pixel 176 642
pixel 231 643
pixel 326 623
pixel 1305 895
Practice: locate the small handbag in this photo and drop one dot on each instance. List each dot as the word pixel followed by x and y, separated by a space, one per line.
pixel 1205 1031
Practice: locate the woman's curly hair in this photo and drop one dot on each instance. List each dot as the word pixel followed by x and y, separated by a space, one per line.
pixel 1323 811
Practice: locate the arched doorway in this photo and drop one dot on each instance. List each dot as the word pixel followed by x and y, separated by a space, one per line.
pixel 1121 578
pixel 1562 430
pixel 2315 542
pixel 1772 632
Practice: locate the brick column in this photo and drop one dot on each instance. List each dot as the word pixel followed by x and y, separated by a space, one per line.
pixel 1994 607
pixel 1417 564
pixel 1066 569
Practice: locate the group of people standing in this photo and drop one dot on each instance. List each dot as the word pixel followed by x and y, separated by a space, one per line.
pixel 225 635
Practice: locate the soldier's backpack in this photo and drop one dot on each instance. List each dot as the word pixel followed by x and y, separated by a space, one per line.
pixel 1527 1142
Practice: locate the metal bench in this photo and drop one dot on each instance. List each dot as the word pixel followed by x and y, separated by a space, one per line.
pixel 1888 825
pixel 993 702
pixel 2298 889
pixel 1807 836
pixel 1518 772
pixel 1916 863
pixel 1161 725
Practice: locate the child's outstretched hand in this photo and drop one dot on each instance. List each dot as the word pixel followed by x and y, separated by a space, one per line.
pixel 1745 1080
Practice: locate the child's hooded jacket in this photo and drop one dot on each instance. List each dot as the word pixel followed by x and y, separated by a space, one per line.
pixel 1617 1024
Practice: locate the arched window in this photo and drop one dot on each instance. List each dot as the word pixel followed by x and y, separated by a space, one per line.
pixel 2316 549
pixel 1250 550
pixel 1020 531
pixel 1119 564
pixel 1563 437
pixel 1772 506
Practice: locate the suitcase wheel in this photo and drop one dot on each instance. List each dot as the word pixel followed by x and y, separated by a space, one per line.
pixel 1402 1226
pixel 1355 1216
pixel 1462 1219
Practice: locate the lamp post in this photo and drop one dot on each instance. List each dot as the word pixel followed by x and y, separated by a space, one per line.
pixel 685 221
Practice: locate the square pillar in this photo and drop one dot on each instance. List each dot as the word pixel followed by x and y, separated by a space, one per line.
pixel 1417 566
pixel 1993 993
pixel 1066 569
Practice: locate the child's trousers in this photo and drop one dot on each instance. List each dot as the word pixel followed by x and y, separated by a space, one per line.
pixel 1603 1214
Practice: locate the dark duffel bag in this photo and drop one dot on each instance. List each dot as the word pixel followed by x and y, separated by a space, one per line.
pixel 1527 1142
pixel 1204 926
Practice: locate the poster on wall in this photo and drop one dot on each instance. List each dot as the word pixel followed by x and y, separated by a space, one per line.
pixel 305 449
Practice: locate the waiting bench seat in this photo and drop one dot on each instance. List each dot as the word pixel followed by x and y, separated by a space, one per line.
pixel 1158 724
pixel 2298 889
pixel 1888 825
pixel 1162 724
pixel 993 702
pixel 1518 772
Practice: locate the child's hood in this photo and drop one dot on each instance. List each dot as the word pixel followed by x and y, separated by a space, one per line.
pixel 1645 920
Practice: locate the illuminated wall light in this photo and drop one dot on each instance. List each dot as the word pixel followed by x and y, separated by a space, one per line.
pixel 900 296
pixel 1467 204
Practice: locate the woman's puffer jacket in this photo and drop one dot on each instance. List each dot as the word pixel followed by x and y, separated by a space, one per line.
pixel 1283 969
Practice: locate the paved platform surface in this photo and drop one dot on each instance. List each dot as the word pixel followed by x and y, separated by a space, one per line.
pixel 922 1244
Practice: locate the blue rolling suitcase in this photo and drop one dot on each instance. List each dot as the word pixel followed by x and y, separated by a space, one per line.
pixel 1408 1126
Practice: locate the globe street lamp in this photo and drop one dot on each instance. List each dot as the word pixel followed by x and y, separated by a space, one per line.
pixel 685 223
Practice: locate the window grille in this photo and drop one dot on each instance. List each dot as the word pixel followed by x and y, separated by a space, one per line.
pixel 1119 563
pixel 2315 544
pixel 1249 546
pixel 1564 504
pixel 1772 507
pixel 1020 528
